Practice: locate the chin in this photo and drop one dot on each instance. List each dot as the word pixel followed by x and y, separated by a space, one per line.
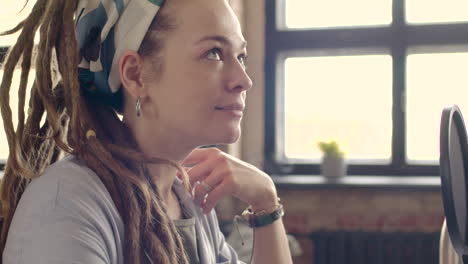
pixel 228 137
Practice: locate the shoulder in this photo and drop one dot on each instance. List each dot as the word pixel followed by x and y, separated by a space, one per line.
pixel 66 183
pixel 69 186
pixel 70 207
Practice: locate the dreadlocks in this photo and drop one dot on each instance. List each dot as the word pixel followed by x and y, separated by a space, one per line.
pixel 60 119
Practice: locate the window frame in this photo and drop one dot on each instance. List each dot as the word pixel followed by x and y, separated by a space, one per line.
pixel 3 51
pixel 398 38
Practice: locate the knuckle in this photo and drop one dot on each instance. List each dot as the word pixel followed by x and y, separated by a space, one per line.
pixel 221 159
pixel 226 174
pixel 224 160
pixel 230 168
pixel 214 151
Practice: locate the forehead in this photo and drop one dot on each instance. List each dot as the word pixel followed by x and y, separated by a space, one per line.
pixel 198 18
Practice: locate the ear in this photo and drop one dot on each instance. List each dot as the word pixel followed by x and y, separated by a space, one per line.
pixel 131 73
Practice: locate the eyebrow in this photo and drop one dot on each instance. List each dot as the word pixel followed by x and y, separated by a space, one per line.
pixel 221 39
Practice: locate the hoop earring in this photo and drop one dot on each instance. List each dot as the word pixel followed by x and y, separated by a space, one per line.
pixel 138 107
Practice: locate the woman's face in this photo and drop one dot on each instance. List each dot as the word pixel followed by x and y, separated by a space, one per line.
pixel 201 89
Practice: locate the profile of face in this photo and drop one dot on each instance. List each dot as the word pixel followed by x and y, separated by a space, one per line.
pixel 199 93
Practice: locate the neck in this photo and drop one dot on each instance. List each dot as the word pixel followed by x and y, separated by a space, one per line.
pixel 165 175
pixel 159 142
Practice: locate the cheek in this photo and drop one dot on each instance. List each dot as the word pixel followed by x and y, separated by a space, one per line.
pixel 201 91
pixel 203 71
pixel 190 104
pixel 194 87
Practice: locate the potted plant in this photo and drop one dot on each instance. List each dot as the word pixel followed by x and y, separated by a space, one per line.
pixel 333 162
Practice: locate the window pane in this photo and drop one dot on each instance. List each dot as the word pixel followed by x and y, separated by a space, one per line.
pixel 436 11
pixel 344 98
pixel 10 16
pixel 433 81
pixel 337 13
pixel 14 106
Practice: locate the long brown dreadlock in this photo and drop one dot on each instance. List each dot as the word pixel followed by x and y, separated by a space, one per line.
pixel 69 113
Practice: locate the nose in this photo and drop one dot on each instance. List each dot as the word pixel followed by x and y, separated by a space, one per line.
pixel 239 80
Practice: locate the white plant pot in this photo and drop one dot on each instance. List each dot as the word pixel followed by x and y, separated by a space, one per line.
pixel 333 166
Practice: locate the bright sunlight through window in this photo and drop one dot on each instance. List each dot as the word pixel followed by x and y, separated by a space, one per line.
pixel 436 11
pixel 337 13
pixel 343 98
pixel 10 16
pixel 433 81
pixel 14 106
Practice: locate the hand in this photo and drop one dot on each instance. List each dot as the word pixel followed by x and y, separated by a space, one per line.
pixel 226 175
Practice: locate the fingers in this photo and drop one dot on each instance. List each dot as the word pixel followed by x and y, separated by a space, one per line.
pixel 205 187
pixel 214 197
pixel 208 200
pixel 208 177
pixel 198 155
pixel 200 171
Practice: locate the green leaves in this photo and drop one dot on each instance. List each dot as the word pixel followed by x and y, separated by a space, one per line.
pixel 330 148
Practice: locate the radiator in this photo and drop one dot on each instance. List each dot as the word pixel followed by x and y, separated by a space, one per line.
pixel 375 248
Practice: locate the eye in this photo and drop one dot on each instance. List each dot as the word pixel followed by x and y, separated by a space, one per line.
pixel 243 59
pixel 214 54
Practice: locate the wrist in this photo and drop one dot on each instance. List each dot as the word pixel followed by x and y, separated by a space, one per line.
pixel 263 217
pixel 267 201
pixel 265 205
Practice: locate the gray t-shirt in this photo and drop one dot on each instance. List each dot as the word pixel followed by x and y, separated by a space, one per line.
pixel 68 216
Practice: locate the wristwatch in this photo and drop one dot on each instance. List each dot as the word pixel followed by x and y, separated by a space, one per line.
pixel 263 217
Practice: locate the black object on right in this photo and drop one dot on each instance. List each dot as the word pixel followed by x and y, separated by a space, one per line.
pixel 453 172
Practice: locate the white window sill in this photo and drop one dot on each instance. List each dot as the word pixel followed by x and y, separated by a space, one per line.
pixel 430 183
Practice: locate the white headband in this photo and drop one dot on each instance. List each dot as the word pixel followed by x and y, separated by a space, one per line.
pixel 105 29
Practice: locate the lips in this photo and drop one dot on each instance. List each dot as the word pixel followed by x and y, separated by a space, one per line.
pixel 231 107
pixel 234 110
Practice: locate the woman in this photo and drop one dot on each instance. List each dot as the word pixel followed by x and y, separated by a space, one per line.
pixel 153 81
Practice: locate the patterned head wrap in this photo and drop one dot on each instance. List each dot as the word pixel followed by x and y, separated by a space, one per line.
pixel 104 29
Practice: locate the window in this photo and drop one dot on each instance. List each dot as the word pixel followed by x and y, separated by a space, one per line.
pixel 11 13
pixel 372 75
